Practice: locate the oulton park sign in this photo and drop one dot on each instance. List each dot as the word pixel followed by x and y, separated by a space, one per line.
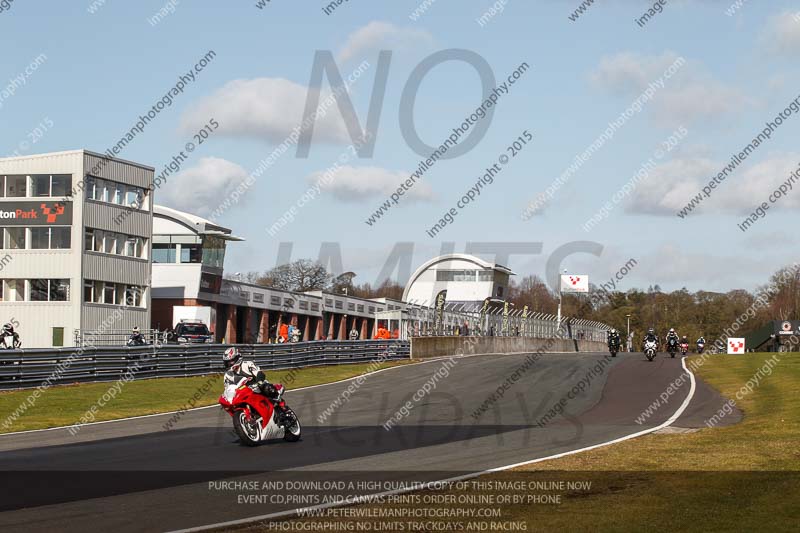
pixel 36 213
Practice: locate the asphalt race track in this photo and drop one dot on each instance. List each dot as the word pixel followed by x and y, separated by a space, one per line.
pixel 133 475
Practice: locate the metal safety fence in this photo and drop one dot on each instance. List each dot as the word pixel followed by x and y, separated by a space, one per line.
pixel 45 367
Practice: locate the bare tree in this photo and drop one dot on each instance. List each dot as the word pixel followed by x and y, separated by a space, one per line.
pixel 300 276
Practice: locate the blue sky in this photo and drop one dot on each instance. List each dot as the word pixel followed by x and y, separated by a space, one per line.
pixel 104 69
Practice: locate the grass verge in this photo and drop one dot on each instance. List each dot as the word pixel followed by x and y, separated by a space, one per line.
pixel 65 405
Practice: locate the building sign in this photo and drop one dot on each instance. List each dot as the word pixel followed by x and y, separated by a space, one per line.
pixel 210 283
pixel 735 346
pixel 36 213
pixel 786 329
pixel 439 316
pixel 575 283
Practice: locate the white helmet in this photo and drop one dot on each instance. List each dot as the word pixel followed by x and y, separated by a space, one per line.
pixel 672 330
pixel 231 357
pixel 613 331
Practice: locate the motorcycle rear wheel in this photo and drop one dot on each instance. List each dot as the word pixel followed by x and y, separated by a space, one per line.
pixel 292 433
pixel 247 432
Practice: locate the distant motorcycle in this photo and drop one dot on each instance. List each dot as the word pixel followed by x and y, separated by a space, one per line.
pixel 650 349
pixel 700 347
pixel 672 347
pixel 613 347
pixel 684 348
pixel 136 341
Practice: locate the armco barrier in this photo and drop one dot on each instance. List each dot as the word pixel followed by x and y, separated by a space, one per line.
pixel 422 347
pixel 45 367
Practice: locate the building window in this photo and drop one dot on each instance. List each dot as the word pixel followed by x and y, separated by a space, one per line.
pixel 60 238
pixel 486 275
pixel 361 308
pixel 119 194
pixel 50 238
pixel 110 243
pixel 304 306
pixel 40 238
pixel 328 302
pixel 351 307
pixel 163 253
pixel 288 302
pixel 314 306
pixel 455 275
pixel 109 293
pixel 46 185
pixel 339 304
pixel 14 290
pixel 61 185
pixel 91 185
pixel 88 291
pixel 15 238
pixel 59 290
pixel 371 309
pixel 275 300
pixel 133 296
pixel 40 186
pixel 499 292
pixel 213 251
pixel 258 298
pixel 16 186
pixel 38 290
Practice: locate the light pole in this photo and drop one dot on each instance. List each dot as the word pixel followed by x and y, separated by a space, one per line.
pixel 558 319
pixel 630 344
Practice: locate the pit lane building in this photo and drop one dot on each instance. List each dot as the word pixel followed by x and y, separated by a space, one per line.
pixel 75 232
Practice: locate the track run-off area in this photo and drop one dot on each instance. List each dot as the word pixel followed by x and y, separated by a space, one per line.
pixel 449 420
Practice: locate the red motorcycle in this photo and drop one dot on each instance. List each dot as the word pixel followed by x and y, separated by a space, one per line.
pixel 255 418
pixel 684 348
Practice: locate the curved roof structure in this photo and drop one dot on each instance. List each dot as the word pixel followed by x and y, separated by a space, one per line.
pixel 197 224
pixel 477 261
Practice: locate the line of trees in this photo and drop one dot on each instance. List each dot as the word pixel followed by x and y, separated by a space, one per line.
pixel 691 313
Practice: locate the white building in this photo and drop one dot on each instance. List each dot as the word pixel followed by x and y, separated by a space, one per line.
pixel 465 277
pixel 75 234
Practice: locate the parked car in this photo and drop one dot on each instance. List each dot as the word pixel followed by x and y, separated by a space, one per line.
pixel 191 333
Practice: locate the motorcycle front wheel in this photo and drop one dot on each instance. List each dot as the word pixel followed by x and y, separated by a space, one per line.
pixel 291 432
pixel 650 356
pixel 247 432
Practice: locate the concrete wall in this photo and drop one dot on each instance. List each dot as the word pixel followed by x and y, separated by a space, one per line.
pixel 422 347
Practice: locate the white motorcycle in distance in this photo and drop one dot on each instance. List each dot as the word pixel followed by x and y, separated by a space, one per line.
pixel 650 349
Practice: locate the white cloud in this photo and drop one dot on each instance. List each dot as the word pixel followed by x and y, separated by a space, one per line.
pixel 380 35
pixel 782 33
pixel 268 108
pixel 353 184
pixel 690 95
pixel 672 185
pixel 198 189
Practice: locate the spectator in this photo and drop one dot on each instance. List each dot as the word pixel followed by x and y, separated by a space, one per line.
pixel 283 334
pixel 465 329
pixel 354 334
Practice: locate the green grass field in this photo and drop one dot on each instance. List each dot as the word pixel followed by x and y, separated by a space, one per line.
pixel 744 477
pixel 64 405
